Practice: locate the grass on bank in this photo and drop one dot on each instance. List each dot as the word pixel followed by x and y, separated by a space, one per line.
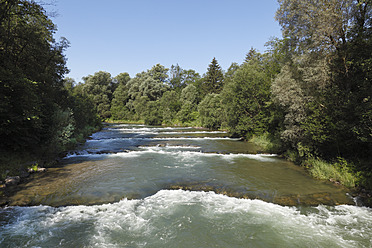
pixel 266 142
pixel 340 171
pixel 336 172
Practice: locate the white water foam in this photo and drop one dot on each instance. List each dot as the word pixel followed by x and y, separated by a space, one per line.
pixel 184 154
pixel 162 138
pixel 197 138
pixel 187 219
pixel 146 129
pixel 229 156
pixel 167 146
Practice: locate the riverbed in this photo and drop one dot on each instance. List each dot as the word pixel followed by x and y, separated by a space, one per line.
pixel 142 186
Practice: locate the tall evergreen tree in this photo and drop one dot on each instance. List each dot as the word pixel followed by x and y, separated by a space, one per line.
pixel 214 79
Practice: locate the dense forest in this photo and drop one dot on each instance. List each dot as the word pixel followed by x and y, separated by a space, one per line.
pixel 39 116
pixel 307 97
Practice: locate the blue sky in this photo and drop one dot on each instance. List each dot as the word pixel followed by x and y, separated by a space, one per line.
pixel 133 35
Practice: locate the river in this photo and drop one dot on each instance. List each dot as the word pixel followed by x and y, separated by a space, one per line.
pixel 141 186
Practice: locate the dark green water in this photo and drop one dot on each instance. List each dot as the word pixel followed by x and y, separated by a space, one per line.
pixel 138 186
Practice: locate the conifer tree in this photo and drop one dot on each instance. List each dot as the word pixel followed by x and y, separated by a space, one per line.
pixel 213 81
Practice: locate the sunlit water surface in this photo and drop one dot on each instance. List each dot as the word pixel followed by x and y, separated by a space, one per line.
pixel 139 186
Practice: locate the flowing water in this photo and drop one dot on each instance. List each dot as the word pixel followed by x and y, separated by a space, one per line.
pixel 140 186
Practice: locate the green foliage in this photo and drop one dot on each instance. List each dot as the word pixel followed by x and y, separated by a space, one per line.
pixel 190 95
pixel 189 103
pixel 308 25
pixel 180 78
pixel 186 113
pixel 32 65
pixel 213 80
pixel 336 172
pixel 119 109
pixel 267 142
pixel 170 104
pixel 325 86
pixel 99 88
pixel 64 126
pixel 40 112
pixel 211 111
pixel 34 167
pixel 176 79
pixel 247 99
pixel 150 84
pixel 122 79
pixel 153 114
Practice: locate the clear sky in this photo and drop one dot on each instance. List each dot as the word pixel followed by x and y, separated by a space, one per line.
pixel 133 35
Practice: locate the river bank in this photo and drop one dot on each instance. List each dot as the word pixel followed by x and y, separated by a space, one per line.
pixel 18 169
pixel 140 186
pixel 283 200
pixel 339 172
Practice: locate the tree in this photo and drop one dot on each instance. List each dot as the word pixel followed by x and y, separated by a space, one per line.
pixel 99 88
pixel 152 115
pixel 190 77
pixel 288 93
pixel 211 112
pixel 40 114
pixel 213 80
pixel 247 98
pixel 32 66
pixel 189 102
pixel 231 71
pixel 119 109
pixel 176 80
pixel 180 78
pixel 170 104
pixel 146 86
pixel 330 67
pixel 151 83
pixel 158 73
pixel 122 79
pixel 307 23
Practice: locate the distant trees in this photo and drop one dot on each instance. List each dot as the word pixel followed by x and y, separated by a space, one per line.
pixel 170 105
pixel 211 111
pixel 152 96
pixel 99 87
pixel 119 110
pixel 180 78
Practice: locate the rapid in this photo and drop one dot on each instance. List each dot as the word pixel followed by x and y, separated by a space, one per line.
pixel 142 186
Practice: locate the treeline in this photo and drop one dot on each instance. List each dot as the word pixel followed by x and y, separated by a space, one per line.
pixel 39 117
pixel 308 96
